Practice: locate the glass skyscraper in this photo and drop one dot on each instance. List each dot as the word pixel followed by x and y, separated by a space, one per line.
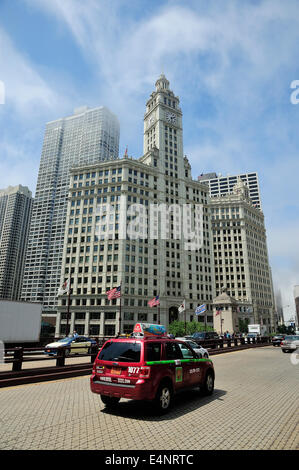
pixel 88 136
pixel 15 213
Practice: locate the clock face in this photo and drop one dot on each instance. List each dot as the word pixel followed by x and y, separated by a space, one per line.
pixel 171 117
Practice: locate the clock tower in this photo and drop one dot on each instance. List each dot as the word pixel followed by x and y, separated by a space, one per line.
pixel 163 130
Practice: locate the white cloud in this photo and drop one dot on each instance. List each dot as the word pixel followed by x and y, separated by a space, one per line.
pixel 239 54
pixel 25 88
pixel 30 101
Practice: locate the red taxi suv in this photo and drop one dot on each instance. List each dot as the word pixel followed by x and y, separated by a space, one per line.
pixel 150 368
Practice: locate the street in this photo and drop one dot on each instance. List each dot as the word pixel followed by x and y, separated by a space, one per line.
pixel 254 406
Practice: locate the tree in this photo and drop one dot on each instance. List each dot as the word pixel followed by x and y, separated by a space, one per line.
pixel 177 328
pixel 243 325
pixel 283 329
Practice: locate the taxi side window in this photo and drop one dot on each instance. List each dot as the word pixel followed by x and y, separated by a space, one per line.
pixel 153 351
pixel 173 351
pixel 187 353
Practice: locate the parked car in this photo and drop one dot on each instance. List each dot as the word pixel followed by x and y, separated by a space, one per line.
pixel 202 352
pixel 205 335
pixel 73 344
pixel 250 336
pixel 277 339
pixel 149 368
pixel 290 343
pixel 210 336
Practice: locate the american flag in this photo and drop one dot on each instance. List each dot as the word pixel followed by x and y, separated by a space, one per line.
pixel 218 311
pixel 114 293
pixel 155 301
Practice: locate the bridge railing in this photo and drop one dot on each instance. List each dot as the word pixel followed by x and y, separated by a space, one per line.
pixel 222 343
pixel 20 355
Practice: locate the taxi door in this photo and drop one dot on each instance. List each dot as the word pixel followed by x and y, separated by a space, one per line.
pixel 80 345
pixel 181 374
pixel 192 370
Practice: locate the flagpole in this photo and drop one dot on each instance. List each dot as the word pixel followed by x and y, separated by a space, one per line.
pixel 159 312
pixel 185 315
pixel 119 324
pixel 68 310
pixel 221 321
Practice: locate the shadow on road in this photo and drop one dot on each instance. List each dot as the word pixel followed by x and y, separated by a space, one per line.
pixel 183 403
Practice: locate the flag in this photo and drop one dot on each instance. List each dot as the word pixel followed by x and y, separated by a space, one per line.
pixel 155 301
pixel 200 309
pixel 114 293
pixel 65 288
pixel 218 311
pixel 182 307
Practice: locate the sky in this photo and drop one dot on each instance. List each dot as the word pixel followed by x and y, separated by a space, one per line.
pixel 231 63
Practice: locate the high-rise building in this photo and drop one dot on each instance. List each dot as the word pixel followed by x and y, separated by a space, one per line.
pixel 222 185
pixel 279 308
pixel 86 137
pixel 148 265
pixel 15 213
pixel 241 254
pixel 296 296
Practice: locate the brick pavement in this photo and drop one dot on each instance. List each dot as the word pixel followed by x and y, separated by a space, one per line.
pixel 254 406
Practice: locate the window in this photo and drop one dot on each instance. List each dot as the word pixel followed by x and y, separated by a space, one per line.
pixel 187 353
pixel 142 316
pixel 128 352
pixel 110 315
pixel 95 315
pixel 173 351
pixel 109 331
pixel 153 351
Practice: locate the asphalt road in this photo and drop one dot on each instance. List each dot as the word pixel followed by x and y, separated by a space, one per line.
pixel 254 406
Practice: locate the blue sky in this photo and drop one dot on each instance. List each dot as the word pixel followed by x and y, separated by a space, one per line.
pixel 231 63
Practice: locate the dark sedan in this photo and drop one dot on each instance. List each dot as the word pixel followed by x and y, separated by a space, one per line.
pixel 277 339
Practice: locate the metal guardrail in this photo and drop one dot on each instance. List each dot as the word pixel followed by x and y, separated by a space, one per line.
pixel 233 342
pixel 18 356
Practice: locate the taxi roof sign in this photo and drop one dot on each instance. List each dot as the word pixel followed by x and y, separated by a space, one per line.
pixel 149 329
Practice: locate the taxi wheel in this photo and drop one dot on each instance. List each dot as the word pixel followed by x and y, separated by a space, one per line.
pixel 109 402
pixel 205 355
pixel 163 399
pixel 207 387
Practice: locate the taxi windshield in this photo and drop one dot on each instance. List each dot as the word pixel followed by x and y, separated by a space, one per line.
pixel 192 344
pixel 120 351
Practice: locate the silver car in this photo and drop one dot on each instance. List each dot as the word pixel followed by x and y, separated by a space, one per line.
pixel 290 343
pixel 201 352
